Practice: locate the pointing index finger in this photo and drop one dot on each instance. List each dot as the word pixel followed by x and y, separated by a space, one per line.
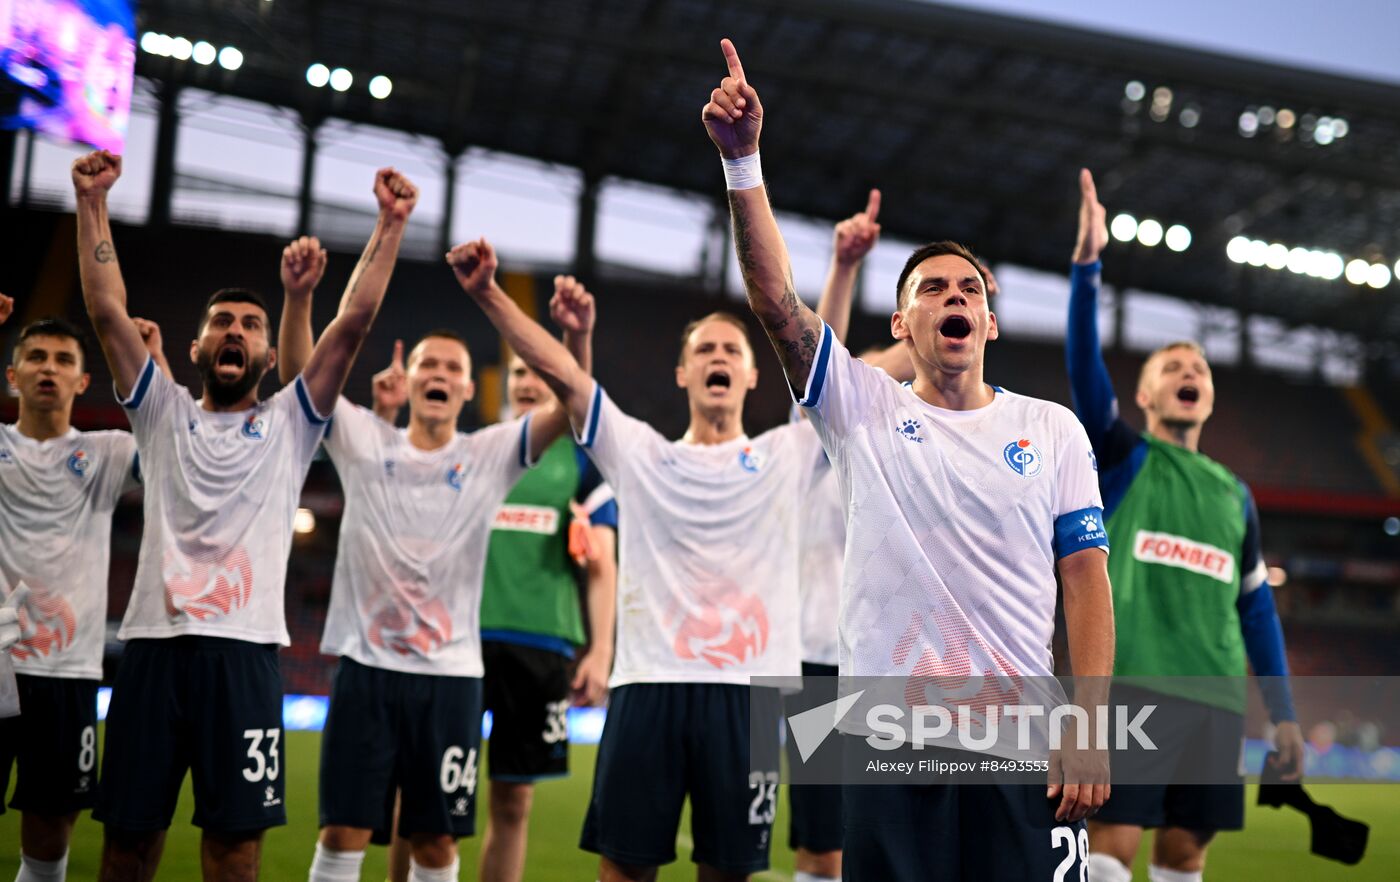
pixel 1086 185
pixel 731 57
pixel 872 206
pixel 397 360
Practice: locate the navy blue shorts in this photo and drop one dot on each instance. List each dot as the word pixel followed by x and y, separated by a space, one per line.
pixel 527 690
pixel 208 705
pixel 419 734
pixel 54 744
pixel 1194 740
pixel 958 831
pixel 664 741
pixel 815 823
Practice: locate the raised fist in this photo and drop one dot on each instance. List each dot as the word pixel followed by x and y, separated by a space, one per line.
pixel 303 264
pixel 7 306
pixel 474 264
pixel 1093 224
pixel 95 173
pixel 150 335
pixel 572 307
pixel 733 116
pixel 391 384
pixel 395 193
pixel 857 234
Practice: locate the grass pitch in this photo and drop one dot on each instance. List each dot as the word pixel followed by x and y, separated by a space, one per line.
pixel 1273 848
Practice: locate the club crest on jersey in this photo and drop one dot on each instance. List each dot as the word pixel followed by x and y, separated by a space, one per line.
pixel 78 463
pixel 1024 458
pixel 910 431
pixel 454 476
pixel 750 460
pixel 253 426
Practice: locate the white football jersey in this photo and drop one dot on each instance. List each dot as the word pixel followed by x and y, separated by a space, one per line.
pixel 56 503
pixel 407 589
pixel 708 554
pixel 955 520
pixel 221 495
pixel 823 550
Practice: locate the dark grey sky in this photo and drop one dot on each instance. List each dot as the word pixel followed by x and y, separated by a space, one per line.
pixel 1359 38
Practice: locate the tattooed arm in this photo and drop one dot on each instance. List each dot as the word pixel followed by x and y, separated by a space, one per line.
pixel 104 291
pixel 329 365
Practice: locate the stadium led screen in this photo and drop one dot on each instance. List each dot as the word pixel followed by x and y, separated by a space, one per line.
pixel 66 68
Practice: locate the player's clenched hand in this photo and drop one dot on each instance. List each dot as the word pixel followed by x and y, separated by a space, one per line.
pixel 857 234
pixel 7 306
pixel 474 264
pixel 395 194
pixel 303 264
pixel 733 116
pixel 572 307
pixel 11 629
pixel 1288 738
pixel 96 172
pixel 591 679
pixel 391 384
pixel 150 335
pixel 1093 225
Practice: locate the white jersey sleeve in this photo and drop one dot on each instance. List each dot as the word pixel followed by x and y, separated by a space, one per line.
pixel 56 503
pixel 1078 511
pixel 841 392
pixel 222 490
pixel 615 440
pixel 407 589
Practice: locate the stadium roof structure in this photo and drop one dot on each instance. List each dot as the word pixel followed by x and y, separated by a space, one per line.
pixel 973 124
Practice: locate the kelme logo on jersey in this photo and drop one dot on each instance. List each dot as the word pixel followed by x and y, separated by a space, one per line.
pixel 1187 554
pixel 909 430
pixel 455 475
pixel 78 463
pixel 751 460
pixel 253 426
pixel 1024 458
pixel 47 625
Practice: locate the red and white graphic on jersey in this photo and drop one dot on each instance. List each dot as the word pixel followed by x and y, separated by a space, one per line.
pixel 731 629
pixel 208 584
pixel 949 679
pixel 47 625
pixel 409 623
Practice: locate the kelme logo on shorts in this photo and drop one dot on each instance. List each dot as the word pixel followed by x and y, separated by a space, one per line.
pixel 1187 554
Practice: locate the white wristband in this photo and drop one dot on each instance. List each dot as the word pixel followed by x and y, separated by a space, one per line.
pixel 743 173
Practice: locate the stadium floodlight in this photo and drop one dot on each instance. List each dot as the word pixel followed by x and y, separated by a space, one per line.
pixel 1334 268
pixel 304 521
pixel 318 75
pixel 1378 275
pixel 204 53
pixel 181 49
pixel 151 43
pixel 1276 258
pixel 1299 259
pixel 1134 91
pixel 341 79
pixel 1277 576
pixel 1258 252
pixel 1340 128
pixel 230 58
pixel 1249 124
pixel 1391 526
pixel 1124 227
pixel 1190 116
pixel 1286 118
pixel 1149 232
pixel 1266 115
pixel 381 86
pixel 1357 271
pixel 1178 237
pixel 1397 267
pixel 1324 134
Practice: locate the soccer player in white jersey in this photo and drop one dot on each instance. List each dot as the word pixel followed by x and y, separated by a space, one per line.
pixel 199 687
pixel 962 502
pixel 58 489
pixel 707 595
pixel 405 706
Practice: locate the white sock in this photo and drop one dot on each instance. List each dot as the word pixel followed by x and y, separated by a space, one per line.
pixel 1107 868
pixel 1162 874
pixel 419 873
pixel 35 870
pixel 330 865
pixel 813 877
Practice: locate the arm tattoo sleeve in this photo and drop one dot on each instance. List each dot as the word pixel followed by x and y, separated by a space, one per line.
pixel 793 328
